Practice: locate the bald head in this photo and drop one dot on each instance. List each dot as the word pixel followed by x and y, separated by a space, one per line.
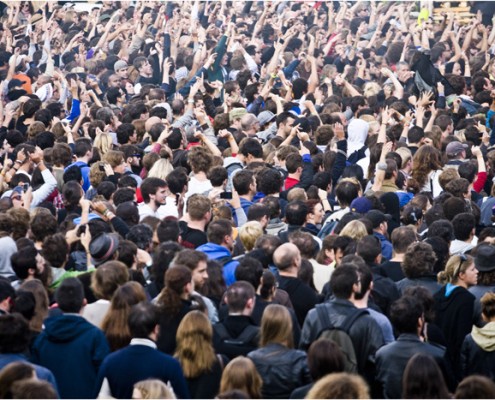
pixel 287 256
pixel 150 122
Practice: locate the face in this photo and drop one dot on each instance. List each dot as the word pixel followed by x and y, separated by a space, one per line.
pixel 161 195
pixel 470 276
pixel 318 213
pixel 200 274
pixel 114 81
pixel 146 68
pixel 457 69
pixel 122 73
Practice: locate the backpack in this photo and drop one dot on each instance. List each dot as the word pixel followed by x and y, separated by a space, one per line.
pixel 340 334
pixel 244 339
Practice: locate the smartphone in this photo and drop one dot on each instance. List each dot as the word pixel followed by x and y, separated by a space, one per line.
pixel 226 195
pixel 25 187
pixel 102 168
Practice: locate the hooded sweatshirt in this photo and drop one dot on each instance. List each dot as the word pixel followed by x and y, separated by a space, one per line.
pixel 485 337
pixel 222 255
pixel 357 132
pixel 8 247
pixel 73 349
pixel 478 352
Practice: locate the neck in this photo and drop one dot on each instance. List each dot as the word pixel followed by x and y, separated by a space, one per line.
pixel 152 204
pixel 199 225
pixel 397 257
pixel 290 272
pixel 362 303
pixel 200 176
pixel 296 176
pixel 248 197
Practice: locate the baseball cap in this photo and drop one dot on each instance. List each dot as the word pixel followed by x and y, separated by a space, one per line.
pixel 265 117
pixel 377 217
pixel 454 148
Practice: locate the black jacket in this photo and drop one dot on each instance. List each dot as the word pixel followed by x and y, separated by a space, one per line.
pixel 235 326
pixel 391 361
pixel 454 316
pixel 282 370
pixel 478 352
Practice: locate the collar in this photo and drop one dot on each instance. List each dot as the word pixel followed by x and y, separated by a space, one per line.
pixel 143 342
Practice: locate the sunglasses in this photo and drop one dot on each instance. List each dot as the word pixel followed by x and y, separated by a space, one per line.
pixel 462 258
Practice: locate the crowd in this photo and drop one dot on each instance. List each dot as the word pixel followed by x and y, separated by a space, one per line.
pixel 240 199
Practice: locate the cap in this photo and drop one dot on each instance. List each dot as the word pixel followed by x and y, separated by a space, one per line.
pixel 103 247
pixel 236 113
pixel 15 83
pixel 121 64
pixel 265 117
pixel 377 217
pixel 105 17
pixel 454 148
pixel 485 257
pixel 361 205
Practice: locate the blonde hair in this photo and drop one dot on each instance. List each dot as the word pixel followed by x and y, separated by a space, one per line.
pixel 249 233
pixel 160 169
pixel 355 230
pixel 341 385
pixel 95 175
pixel 405 155
pixel 276 326
pixel 103 142
pixel 194 344
pixel 371 89
pixel 455 265
pixel 241 374
pixel 154 389
pixel 297 194
pixel 114 158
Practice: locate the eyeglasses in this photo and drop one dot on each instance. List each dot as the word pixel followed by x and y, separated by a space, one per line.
pixel 462 258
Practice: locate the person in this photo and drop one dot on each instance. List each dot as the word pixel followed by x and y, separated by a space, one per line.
pixel 114 323
pixel 364 332
pixel 276 348
pixel 475 387
pixel 485 264
pixel 477 353
pixel 154 192
pixel 220 246
pixel 324 357
pixel 407 318
pixel 12 373
pixel 174 302
pixel 287 259
pixel 201 366
pixel 401 238
pixel 104 282
pixel 454 304
pixel 380 229
pixel 14 343
pixel 340 385
pixel 423 379
pixel 139 360
pixel 33 389
pixel 237 334
pixel 152 389
pixel 71 347
pixel 241 374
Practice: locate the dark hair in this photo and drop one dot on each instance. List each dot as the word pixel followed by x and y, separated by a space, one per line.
pixel 176 279
pixel 14 334
pixel 70 295
pixel 72 174
pixel 296 212
pixel 404 314
pixel 23 260
pixel 142 320
pixel 55 250
pixel 238 294
pixel 43 224
pixel 141 235
pixel 249 270
pixel 423 379
pixel 150 186
pixel 441 228
pixel 369 248
pixel 162 257
pixel 168 230
pixel 24 304
pixel 324 357
pixel 251 146
pixel 345 192
pixel 269 181
pixel 475 387
pixel 257 211
pixel 217 230
pixel 419 260
pixel 463 225
pixel 343 279
pixel 242 181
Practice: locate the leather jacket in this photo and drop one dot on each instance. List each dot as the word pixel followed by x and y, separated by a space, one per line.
pixel 281 368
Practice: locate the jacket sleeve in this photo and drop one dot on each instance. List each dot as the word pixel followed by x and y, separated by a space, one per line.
pixel 40 194
pixel 309 330
pixel 340 161
pixel 100 349
pixel 220 50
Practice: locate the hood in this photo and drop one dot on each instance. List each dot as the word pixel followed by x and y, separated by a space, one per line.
pixel 8 247
pixel 65 328
pixel 214 251
pixel 485 337
pixel 357 132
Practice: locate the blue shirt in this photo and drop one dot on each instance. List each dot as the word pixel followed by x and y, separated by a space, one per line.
pixel 386 245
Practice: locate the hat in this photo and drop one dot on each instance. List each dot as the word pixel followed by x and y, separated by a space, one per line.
pixel 14 83
pixel 103 247
pixel 454 148
pixel 265 117
pixel 377 217
pixel 361 205
pixel 36 18
pixel 119 65
pixel 105 17
pixel 485 257
pixel 236 113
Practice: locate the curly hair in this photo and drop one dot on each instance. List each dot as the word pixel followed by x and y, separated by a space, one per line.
pixel 426 159
pixel 419 260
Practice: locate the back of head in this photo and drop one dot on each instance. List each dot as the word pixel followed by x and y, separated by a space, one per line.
pixel 11 373
pixel 142 320
pixel 285 256
pixel 340 385
pixel 405 313
pixel 238 295
pixel 14 334
pixel 324 357
pixel 70 295
pixel 423 379
pixel 153 389
pixel 33 389
pixel 296 212
pixel 276 326
pixel 369 249
pixel 241 374
pixel 475 387
pixel 402 237
pixel 217 230
pixel 343 280
pixel 249 270
pixel 488 305
pixel 107 278
pixel 419 260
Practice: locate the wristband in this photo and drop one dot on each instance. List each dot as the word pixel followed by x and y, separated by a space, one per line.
pixel 19 161
pixel 190 101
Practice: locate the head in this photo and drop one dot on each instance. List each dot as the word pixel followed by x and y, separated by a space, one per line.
pixel 345 281
pixel 419 260
pixel 143 320
pixel 240 298
pixel 423 379
pixel 460 270
pixel 340 385
pixel 70 296
pixel 196 261
pixel 220 232
pixel 241 374
pixel 107 278
pixel 287 258
pixel 276 326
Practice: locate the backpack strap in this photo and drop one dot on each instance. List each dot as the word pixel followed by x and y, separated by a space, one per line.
pixel 248 334
pixel 350 319
pixel 322 313
pixel 221 331
pixel 224 260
